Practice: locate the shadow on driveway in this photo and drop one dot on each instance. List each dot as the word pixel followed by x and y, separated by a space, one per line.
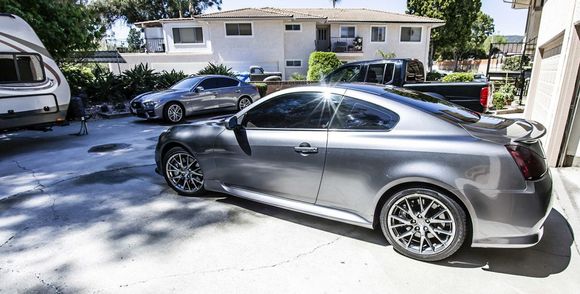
pixel 550 256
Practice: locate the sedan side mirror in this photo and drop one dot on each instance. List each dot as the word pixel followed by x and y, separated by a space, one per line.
pixel 232 123
pixel 199 89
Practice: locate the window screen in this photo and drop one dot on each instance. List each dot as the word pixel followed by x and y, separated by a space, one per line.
pixel 411 34
pixel 293 27
pixel 377 34
pixel 347 32
pixel 238 29
pixel 187 35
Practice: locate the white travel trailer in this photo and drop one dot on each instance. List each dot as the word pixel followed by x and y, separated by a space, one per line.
pixel 33 91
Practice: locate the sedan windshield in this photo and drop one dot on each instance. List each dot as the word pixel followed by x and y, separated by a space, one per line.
pixel 186 84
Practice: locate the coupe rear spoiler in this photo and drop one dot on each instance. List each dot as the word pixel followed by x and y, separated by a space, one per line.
pixel 535 131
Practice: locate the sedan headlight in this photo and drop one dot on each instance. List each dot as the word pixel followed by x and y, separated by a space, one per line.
pixel 149 104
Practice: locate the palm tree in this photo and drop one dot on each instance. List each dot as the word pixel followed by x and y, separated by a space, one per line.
pixel 334 3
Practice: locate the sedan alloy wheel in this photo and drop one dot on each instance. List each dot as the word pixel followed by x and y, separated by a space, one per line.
pixel 183 172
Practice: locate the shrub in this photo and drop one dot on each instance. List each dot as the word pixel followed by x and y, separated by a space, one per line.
pixel 167 79
pixel 321 64
pixel 262 88
pixel 434 76
pixel 297 77
pixel 217 69
pixel 106 87
pixel 138 80
pixel 498 100
pixel 513 62
pixel 458 77
pixel 78 76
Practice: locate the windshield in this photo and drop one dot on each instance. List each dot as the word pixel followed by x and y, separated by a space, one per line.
pixel 436 106
pixel 186 84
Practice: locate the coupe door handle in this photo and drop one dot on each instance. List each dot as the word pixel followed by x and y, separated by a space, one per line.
pixel 305 148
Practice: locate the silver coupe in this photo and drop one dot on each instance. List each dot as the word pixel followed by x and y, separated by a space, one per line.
pixel 433 176
pixel 194 94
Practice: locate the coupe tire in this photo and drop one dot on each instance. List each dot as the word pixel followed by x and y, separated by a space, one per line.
pixel 423 224
pixel 173 113
pixel 182 172
pixel 244 102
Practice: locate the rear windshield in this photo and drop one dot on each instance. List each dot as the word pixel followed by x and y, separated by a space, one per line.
pixel 436 106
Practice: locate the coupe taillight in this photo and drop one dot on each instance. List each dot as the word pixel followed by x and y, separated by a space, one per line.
pixel 531 164
pixel 483 97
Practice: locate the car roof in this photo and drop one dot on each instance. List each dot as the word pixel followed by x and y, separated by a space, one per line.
pixel 381 60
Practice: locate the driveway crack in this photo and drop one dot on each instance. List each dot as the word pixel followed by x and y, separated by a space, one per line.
pixel 225 269
pixel 39 185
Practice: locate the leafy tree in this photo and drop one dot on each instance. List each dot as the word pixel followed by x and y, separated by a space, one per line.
pixel 459 16
pixel 63 26
pixel 140 10
pixel 495 39
pixel 134 41
pixel 386 55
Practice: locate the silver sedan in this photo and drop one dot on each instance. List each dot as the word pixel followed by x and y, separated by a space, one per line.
pixel 194 95
pixel 430 174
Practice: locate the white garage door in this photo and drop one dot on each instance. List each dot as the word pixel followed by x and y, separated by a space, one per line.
pixel 546 80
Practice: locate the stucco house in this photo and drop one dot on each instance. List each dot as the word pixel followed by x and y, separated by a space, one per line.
pixel 554 90
pixel 280 39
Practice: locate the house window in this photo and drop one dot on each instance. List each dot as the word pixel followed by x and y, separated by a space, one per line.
pixel 294 63
pixel 378 34
pixel 347 32
pixel 411 34
pixel 293 27
pixel 238 29
pixel 21 68
pixel 187 35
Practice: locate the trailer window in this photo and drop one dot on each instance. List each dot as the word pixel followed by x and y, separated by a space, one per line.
pixel 20 68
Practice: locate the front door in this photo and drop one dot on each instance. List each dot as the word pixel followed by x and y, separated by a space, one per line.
pixel 322 38
pixel 203 99
pixel 280 148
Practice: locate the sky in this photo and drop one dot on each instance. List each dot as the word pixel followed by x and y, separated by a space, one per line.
pixel 507 21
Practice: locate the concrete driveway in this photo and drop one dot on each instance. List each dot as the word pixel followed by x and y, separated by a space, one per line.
pixel 78 221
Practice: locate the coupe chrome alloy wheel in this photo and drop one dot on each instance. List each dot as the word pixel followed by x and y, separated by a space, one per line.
pixel 175 113
pixel 244 102
pixel 421 224
pixel 184 172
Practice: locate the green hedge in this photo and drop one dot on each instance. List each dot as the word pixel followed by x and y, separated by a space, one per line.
pixel 262 88
pixel 458 77
pixel 321 64
pixel 97 84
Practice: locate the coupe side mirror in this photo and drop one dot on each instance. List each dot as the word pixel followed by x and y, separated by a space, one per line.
pixel 232 123
pixel 199 89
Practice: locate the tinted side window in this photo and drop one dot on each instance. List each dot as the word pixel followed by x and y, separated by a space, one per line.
pixel 310 110
pixel 225 82
pixel 210 83
pixel 375 73
pixel 389 73
pixel 360 115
